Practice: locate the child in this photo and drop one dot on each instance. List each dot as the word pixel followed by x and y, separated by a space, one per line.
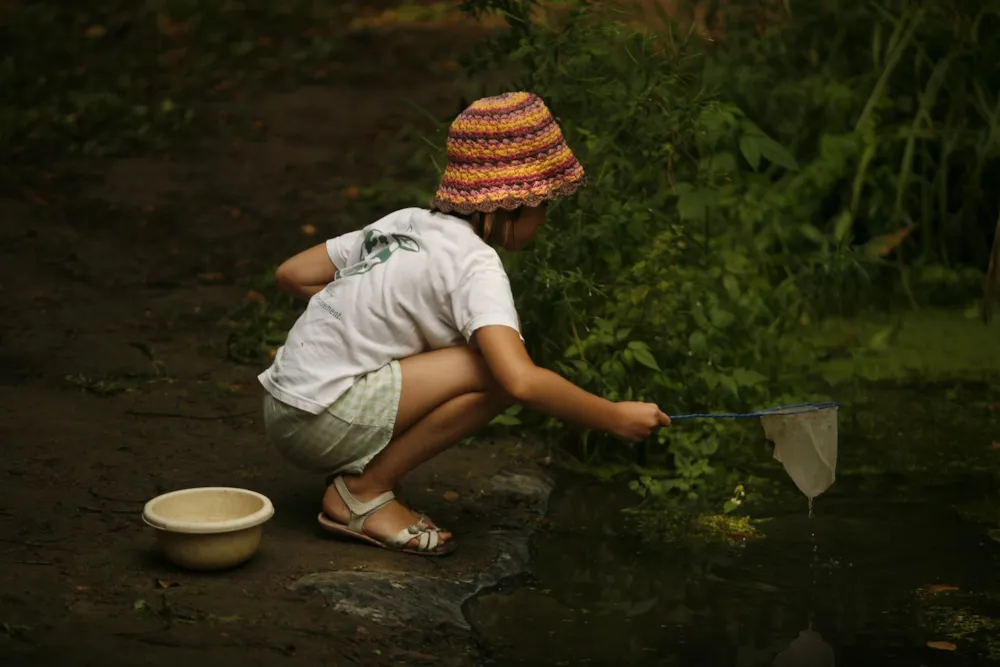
pixel 411 341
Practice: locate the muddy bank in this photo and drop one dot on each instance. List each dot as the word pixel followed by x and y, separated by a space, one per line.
pixel 120 281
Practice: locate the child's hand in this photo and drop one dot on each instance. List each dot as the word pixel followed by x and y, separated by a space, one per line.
pixel 636 421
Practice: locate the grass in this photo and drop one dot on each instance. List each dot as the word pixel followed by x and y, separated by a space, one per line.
pixel 928 344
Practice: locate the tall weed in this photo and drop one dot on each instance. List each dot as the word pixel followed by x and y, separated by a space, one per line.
pixel 913 85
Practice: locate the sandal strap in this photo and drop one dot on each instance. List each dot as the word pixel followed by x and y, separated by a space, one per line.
pixel 360 511
pixel 428 538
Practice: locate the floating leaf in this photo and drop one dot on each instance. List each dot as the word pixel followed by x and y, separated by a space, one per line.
pixel 163 583
pixel 95 32
pixel 942 646
pixel 939 588
pixel 211 276
pixel 450 496
pixel 308 230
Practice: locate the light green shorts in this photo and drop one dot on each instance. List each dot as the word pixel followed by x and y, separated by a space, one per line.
pixel 347 435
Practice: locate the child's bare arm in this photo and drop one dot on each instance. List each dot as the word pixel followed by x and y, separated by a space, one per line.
pixel 307 272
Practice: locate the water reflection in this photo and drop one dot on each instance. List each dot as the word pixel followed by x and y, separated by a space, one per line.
pixel 853 575
pixel 807 650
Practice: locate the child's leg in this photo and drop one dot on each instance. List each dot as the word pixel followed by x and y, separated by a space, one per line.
pixel 447 395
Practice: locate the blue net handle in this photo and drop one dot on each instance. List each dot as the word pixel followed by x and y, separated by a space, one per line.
pixel 781 410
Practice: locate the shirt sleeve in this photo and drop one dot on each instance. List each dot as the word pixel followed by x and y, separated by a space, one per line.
pixel 341 247
pixel 483 298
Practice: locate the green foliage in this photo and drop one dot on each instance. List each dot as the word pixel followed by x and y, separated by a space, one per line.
pixel 673 276
pixel 911 85
pixel 741 190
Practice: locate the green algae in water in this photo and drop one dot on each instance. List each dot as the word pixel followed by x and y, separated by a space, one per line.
pixel 960 622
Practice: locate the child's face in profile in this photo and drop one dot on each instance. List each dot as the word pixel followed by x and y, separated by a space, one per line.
pixel 526 228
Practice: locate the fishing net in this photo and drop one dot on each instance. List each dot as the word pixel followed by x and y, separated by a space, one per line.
pixel 805 441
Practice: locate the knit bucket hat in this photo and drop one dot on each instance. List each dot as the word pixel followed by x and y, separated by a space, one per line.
pixel 506 152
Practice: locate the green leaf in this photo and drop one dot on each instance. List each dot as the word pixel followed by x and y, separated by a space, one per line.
pixel 732 285
pixel 722 164
pixel 639 294
pixel 845 221
pixel 693 206
pixel 813 234
pixel 711 378
pixel 748 378
pixel 720 318
pixel 505 420
pixel 729 507
pixel 776 153
pixel 643 355
pixel 880 341
pixel 728 382
pixel 751 150
pixel 697 342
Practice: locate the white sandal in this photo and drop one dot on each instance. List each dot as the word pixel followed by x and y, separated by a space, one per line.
pixel 429 539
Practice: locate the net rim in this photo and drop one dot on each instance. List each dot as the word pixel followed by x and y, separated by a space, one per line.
pixel 779 411
pixel 798 409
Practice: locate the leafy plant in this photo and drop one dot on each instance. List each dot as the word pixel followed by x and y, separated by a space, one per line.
pixel 675 274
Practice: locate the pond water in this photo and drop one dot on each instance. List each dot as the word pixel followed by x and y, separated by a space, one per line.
pixel 888 571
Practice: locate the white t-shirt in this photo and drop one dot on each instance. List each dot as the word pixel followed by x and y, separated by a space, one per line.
pixel 411 282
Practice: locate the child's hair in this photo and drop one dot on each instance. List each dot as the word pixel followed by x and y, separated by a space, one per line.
pixel 488 225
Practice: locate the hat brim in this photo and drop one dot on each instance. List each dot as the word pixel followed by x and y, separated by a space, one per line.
pixel 509 201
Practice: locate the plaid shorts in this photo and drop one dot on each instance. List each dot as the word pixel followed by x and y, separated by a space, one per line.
pixel 347 435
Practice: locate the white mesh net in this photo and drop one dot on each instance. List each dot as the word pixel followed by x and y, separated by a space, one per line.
pixel 805 442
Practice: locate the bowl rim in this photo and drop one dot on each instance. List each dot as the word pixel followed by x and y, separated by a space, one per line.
pixel 151 518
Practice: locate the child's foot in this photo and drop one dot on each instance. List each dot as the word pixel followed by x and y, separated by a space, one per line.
pixel 385 523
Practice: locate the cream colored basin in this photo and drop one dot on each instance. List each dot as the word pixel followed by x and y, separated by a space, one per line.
pixel 208 528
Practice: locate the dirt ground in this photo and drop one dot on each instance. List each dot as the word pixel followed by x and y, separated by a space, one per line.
pixel 156 251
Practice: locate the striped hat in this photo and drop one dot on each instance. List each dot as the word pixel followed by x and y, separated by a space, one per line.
pixel 506 152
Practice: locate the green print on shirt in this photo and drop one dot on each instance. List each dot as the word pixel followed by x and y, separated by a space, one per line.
pixel 376 250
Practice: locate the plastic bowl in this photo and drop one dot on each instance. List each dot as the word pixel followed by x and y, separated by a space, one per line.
pixel 208 528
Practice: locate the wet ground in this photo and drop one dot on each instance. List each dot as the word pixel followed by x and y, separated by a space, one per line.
pixel 122 284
